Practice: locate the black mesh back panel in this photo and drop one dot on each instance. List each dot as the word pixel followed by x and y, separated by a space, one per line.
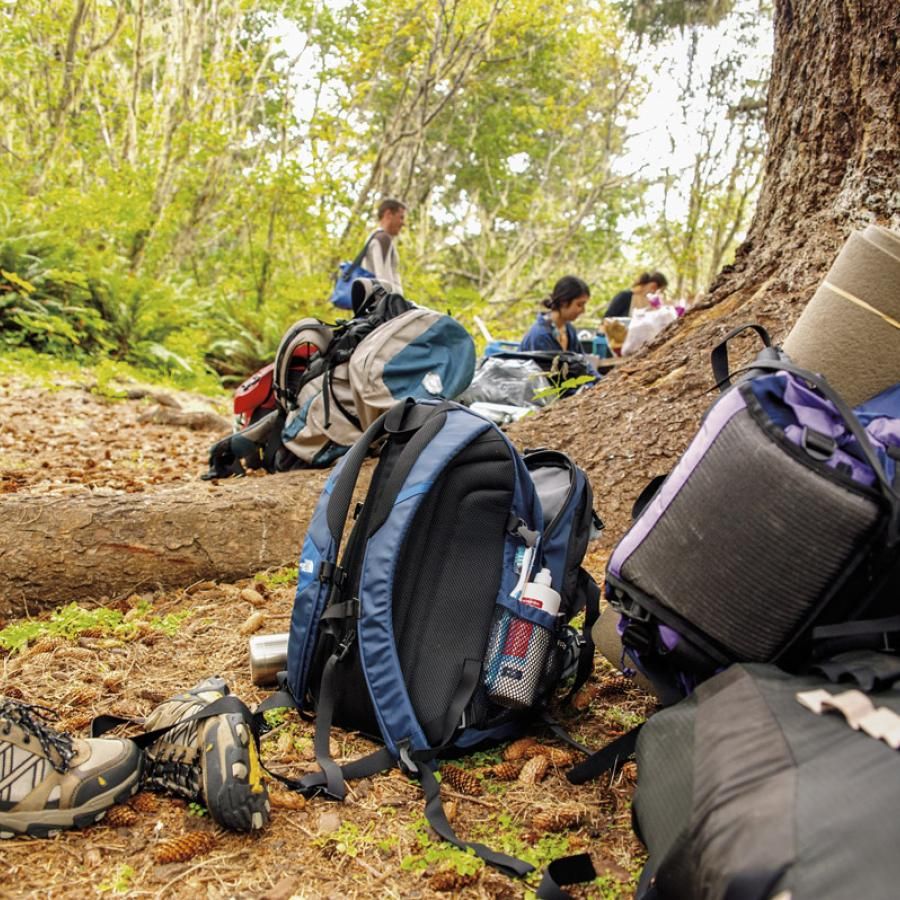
pixel 449 573
pixel 751 542
pixel 663 802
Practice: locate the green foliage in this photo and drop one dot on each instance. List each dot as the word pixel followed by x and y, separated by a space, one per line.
pixel 438 854
pixel 119 882
pixel 655 17
pixel 277 716
pixel 197 810
pixel 619 715
pixel 561 385
pixel 280 577
pixel 349 839
pixel 70 621
pixel 174 212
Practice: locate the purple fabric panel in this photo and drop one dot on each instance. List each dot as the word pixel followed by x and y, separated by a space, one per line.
pixel 811 410
pixel 860 471
pixel 669 636
pixel 885 431
pixel 719 416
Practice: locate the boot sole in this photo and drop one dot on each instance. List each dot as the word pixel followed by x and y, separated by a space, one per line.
pixel 49 822
pixel 235 795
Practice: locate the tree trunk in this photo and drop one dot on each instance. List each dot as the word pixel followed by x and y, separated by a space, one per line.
pixel 57 549
pixel 831 167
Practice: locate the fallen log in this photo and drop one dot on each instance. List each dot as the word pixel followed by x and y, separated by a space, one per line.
pixel 54 549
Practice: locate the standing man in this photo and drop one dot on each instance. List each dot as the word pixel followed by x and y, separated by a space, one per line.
pixel 381 257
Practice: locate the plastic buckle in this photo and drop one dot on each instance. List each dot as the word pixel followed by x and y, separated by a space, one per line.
pixel 343 648
pixel 626 606
pixel 404 760
pixel 331 573
pixel 636 637
pixel 817 445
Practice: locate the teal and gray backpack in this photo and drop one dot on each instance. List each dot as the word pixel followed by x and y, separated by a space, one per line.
pixel 351 372
pixel 402 634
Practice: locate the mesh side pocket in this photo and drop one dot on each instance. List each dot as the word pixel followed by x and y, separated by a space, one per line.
pixel 516 660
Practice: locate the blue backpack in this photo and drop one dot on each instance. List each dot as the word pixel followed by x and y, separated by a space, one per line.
pixel 397 636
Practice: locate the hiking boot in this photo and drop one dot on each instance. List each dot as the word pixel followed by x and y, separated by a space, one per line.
pixel 212 761
pixel 50 780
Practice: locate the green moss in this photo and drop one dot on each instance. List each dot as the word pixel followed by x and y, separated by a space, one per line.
pixel 70 621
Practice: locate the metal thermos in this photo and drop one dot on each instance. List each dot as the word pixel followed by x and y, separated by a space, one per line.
pixel 268 657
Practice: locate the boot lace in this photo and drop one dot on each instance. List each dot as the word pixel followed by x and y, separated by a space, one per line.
pixel 35 722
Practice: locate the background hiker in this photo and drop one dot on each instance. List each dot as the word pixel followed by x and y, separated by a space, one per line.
pixel 553 330
pixel 622 304
pixel 381 254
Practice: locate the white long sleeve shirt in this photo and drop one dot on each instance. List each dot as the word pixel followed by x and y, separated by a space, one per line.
pixel 382 260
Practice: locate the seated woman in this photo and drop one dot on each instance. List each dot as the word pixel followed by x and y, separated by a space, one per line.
pixel 625 302
pixel 553 330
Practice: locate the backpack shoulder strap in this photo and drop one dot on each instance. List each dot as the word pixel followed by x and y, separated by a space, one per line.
pixel 348 274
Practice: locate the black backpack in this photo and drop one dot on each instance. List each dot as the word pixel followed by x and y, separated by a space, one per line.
pixel 744 791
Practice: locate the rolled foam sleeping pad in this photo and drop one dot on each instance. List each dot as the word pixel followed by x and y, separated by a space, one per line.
pixel 850 329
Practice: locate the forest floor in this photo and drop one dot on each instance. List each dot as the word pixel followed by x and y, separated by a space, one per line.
pixel 72 438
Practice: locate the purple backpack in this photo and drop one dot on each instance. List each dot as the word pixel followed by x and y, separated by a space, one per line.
pixel 776 537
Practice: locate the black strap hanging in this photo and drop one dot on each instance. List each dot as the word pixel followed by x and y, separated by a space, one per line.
pixel 605 759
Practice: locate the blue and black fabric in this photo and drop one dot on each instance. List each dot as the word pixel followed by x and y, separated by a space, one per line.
pixel 348 274
pixel 388 636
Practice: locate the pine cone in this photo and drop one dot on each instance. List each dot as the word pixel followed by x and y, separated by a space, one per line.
pixel 76 723
pixel 181 849
pixel 558 819
pixel 451 880
pixel 113 682
pixel 286 800
pixel 252 623
pixel 83 695
pixel 285 744
pixel 120 817
pixel 144 802
pixel 461 780
pixel 13 692
pixel 95 631
pixel 150 636
pixel 583 699
pixel 556 755
pixel 47 645
pixel 534 770
pixel 518 749
pixel 506 771
pixel 614 684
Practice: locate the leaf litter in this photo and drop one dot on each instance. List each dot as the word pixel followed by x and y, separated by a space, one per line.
pixel 138 651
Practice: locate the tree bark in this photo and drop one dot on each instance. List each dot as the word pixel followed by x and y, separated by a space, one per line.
pixel 54 549
pixel 830 168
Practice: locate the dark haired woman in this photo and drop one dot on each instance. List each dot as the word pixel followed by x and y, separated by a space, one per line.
pixel 625 301
pixel 553 330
